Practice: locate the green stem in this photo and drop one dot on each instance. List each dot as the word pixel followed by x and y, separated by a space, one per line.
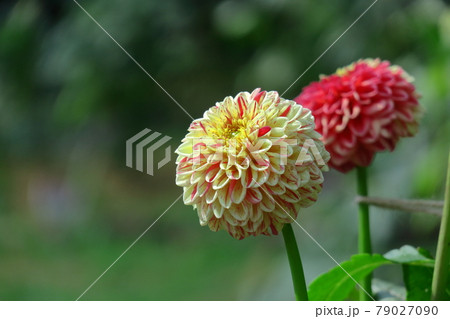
pixel 440 275
pixel 364 242
pixel 295 262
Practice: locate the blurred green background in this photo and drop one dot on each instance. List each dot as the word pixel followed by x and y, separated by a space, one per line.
pixel 70 98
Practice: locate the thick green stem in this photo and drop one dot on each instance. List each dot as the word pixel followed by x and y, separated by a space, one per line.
pixel 295 262
pixel 440 275
pixel 364 242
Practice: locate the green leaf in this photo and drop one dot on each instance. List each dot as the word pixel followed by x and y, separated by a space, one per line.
pixel 418 278
pixel 409 255
pixel 336 284
pixel 424 252
pixel 417 265
pixel 417 281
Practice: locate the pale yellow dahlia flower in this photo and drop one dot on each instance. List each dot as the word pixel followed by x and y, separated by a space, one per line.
pixel 251 163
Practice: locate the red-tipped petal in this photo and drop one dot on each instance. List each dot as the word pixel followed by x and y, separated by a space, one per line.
pixel 286 112
pixel 203 128
pixel 260 96
pixel 242 105
pixel 263 130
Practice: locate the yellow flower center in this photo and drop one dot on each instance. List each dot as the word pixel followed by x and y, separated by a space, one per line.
pixel 236 130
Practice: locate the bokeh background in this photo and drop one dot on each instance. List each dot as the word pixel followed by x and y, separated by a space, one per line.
pixel 70 98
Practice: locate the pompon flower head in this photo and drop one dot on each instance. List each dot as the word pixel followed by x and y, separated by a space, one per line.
pixel 250 163
pixel 362 109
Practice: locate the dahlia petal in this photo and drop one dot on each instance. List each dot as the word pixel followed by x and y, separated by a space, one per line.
pixel 226 163
pixel 385 91
pixel 286 111
pixel 212 172
pixel 253 195
pixel 197 176
pixel 182 180
pixel 303 157
pixel 304 177
pixel 214 224
pixel 260 177
pixel 271 113
pixel 277 132
pixel 185 149
pixel 348 139
pixel 237 192
pixel 364 158
pixel 316 176
pixel 298 126
pixel 386 133
pixel 203 188
pixel 231 221
pixel 272 179
pixel 331 109
pixel 242 103
pixel 239 212
pixel 260 162
pixel 298 113
pixel 274 229
pixel 263 131
pixel 256 215
pixel 276 189
pixel 276 166
pixel 218 209
pixel 211 116
pixel 261 147
pixel 188 194
pixel 221 181
pixel 243 163
pixel 267 204
pixel 282 152
pixel 233 173
pixel 205 212
pixel 249 180
pixel 405 114
pixel 280 214
pixel 224 198
pixel 290 181
pixel 360 126
pixel 211 196
pixel 258 97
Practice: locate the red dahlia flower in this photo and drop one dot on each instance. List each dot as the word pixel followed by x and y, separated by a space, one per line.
pixel 362 109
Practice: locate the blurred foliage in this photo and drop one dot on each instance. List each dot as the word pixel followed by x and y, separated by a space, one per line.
pixel 417 266
pixel 70 97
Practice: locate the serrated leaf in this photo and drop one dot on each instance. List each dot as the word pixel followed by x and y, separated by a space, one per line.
pixel 336 284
